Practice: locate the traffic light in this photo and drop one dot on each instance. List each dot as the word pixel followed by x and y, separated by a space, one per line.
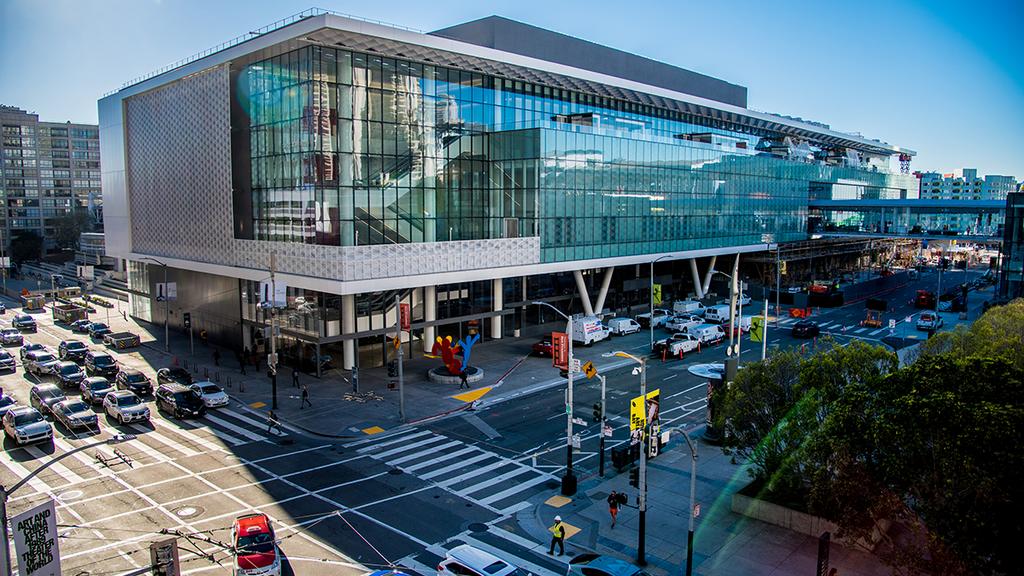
pixel 597 411
pixel 634 477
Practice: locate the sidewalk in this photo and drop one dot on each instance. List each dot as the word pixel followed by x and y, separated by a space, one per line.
pixel 725 543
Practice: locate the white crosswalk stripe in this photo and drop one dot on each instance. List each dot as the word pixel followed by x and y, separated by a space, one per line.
pixel 456 466
pixel 21 472
pixel 495 480
pixel 144 433
pixel 876 332
pixel 236 429
pixel 248 420
pixel 63 471
pixel 439 459
pixel 419 454
pixel 187 433
pixel 473 473
pixel 407 447
pixel 389 440
pixel 786 321
pixel 519 487
pixel 859 331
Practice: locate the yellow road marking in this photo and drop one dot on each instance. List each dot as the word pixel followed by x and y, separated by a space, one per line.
pixel 373 430
pixel 472 395
pixel 257 405
pixel 557 501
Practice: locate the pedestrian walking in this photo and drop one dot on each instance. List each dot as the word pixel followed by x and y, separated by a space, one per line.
pixel 613 506
pixel 463 380
pixel 305 398
pixel 241 363
pixel 272 422
pixel 295 377
pixel 557 536
pixel 216 357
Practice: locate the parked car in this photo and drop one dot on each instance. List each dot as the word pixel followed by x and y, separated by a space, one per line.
pixel 742 300
pixel 125 406
pixel 24 322
pixel 466 560
pixel 40 363
pixel 543 347
pixel 7 402
pixel 213 396
pixel 708 333
pixel 100 364
pixel 94 389
pixel 97 330
pixel 69 374
pixel 683 322
pixel 81 326
pixel 74 414
pixel 678 343
pixel 256 553
pixel 660 316
pixel 134 380
pixel 7 361
pixel 179 401
pixel 694 307
pixel 623 326
pixel 25 425
pixel 30 347
pixel 929 322
pixel 806 329
pixel 72 350
pixel 174 376
pixel 43 396
pixel 11 337
pixel 590 564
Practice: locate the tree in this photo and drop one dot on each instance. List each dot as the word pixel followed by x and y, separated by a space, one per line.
pixel 26 245
pixel 998 333
pixel 70 227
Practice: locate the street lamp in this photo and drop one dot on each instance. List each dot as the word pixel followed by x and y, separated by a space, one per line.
pixel 5 492
pixel 167 304
pixel 650 294
pixel 642 531
pixel 693 496
pixel 569 480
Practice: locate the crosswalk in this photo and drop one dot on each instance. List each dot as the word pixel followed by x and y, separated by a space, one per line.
pixel 158 441
pixel 513 548
pixel 838 327
pixel 493 481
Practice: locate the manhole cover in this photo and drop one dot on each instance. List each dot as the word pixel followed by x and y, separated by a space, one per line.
pixel 478 527
pixel 188 511
pixel 394 471
pixel 69 495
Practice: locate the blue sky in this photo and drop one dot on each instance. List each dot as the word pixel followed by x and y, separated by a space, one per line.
pixel 943 78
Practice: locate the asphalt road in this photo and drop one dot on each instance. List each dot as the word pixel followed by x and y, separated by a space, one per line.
pixel 407 496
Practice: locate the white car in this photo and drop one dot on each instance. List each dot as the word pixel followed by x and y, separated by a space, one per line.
pixel 929 321
pixel 124 406
pixel 742 300
pixel 213 396
pixel 660 316
pixel 466 560
pixel 40 362
pixel 683 322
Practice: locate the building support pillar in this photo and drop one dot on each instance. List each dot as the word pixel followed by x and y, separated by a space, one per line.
pixel 348 326
pixel 603 294
pixel 581 289
pixel 709 274
pixel 429 315
pixel 696 278
pixel 498 295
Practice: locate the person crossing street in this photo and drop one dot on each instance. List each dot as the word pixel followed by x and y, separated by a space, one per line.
pixel 305 398
pixel 557 536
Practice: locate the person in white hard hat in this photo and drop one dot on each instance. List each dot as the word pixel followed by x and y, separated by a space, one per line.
pixel 557 536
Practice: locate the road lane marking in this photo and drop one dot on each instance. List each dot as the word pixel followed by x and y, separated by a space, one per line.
pixel 21 472
pixel 233 428
pixel 490 500
pixel 859 331
pixel 520 469
pixel 399 450
pixel 439 459
pixel 387 440
pixel 876 332
pixel 144 432
pixel 476 472
pixel 420 454
pixel 259 425
pixel 457 465
pixel 64 472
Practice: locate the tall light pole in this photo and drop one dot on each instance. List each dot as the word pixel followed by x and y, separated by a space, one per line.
pixel 732 311
pixel 650 293
pixel 693 497
pixel 569 480
pixel 5 492
pixel 167 304
pixel 642 529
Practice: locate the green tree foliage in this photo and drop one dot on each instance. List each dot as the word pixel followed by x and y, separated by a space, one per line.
pixel 26 245
pixel 998 333
pixel 70 227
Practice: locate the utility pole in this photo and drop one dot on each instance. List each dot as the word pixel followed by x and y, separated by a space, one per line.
pixel 644 440
pixel 778 287
pixel 272 358
pixel 398 348
pixel 764 331
pixel 600 460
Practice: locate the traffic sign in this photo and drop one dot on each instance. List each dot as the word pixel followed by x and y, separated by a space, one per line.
pixel 589 369
pixel 576 441
pixel 579 421
pixel 606 431
pixel 892 323
pixel 696 510
pixel 576 367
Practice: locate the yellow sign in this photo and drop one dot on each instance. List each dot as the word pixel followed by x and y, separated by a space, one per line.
pixel 397 343
pixel 656 293
pixel 589 369
pixel 782 268
pixel 637 412
pixel 757 328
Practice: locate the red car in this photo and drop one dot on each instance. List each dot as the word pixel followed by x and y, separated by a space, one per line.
pixel 255 548
pixel 543 348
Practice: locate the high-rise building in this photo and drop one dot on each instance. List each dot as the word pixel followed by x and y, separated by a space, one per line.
pixel 465 172
pixel 50 170
pixel 967 186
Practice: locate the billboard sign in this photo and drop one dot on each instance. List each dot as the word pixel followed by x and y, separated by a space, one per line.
pixel 35 541
pixel 279 298
pixel 640 411
pixel 405 316
pixel 167 291
pixel 560 350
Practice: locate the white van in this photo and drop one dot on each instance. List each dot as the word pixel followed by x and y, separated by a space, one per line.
pixel 708 333
pixel 718 313
pixel 466 560
pixel 688 307
pixel 588 329
pixel 623 326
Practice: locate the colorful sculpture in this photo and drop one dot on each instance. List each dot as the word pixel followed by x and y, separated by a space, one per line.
pixel 446 351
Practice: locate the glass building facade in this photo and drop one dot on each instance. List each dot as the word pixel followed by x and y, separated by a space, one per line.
pixel 344 148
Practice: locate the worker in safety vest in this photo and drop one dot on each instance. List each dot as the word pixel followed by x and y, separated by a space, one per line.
pixel 557 536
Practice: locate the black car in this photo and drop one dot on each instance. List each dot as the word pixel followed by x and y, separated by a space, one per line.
pixel 43 396
pixel 81 326
pixel 100 364
pixel 72 350
pixel 174 376
pixel 24 322
pixel 7 361
pixel 69 374
pixel 132 379
pixel 179 401
pixel 806 329
pixel 97 330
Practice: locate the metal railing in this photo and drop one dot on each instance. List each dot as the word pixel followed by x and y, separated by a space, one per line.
pixel 308 13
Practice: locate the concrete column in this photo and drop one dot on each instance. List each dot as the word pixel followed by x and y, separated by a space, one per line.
pixel 581 288
pixel 348 326
pixel 497 291
pixel 709 274
pixel 603 294
pixel 429 314
pixel 696 278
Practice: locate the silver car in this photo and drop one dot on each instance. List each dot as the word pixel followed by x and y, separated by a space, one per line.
pixel 25 425
pixel 11 337
pixel 74 414
pixel 40 362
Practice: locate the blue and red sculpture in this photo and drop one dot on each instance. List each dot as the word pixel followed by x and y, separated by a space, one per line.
pixel 444 349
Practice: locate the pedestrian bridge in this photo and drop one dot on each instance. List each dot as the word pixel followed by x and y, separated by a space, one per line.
pixel 981 220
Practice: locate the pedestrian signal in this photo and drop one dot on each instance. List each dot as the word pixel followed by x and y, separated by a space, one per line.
pixel 634 477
